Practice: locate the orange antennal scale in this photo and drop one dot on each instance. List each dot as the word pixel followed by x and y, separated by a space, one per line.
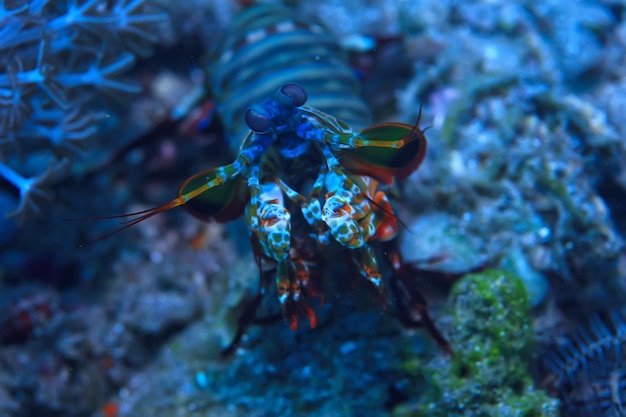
pixel 212 197
pixel 388 163
pixel 143 215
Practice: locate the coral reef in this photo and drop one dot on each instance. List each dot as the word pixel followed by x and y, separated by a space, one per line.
pixel 521 141
pixel 492 339
pixel 525 172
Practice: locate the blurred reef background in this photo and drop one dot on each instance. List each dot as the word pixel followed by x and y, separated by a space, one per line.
pixel 524 180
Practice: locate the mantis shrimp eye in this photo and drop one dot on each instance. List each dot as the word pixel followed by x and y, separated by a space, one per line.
pixel 257 122
pixel 295 93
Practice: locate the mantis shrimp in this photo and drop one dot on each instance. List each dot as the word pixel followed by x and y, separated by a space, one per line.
pixel 306 179
pixel 298 160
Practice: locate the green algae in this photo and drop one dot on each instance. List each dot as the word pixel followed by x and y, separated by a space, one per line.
pixel 492 340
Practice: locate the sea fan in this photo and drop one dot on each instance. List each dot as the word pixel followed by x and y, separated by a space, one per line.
pixel 587 370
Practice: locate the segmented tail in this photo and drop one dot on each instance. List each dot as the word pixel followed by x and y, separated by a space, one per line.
pixel 267 46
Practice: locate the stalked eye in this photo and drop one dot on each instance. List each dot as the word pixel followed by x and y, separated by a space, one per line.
pixel 257 122
pixel 295 93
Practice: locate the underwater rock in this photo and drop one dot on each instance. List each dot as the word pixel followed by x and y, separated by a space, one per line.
pixel 435 242
pixel 537 286
pixel 8 227
pixel 570 29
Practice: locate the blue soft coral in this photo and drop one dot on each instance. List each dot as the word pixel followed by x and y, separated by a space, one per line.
pixel 54 58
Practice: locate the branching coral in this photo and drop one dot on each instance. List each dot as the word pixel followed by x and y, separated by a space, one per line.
pixel 54 58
